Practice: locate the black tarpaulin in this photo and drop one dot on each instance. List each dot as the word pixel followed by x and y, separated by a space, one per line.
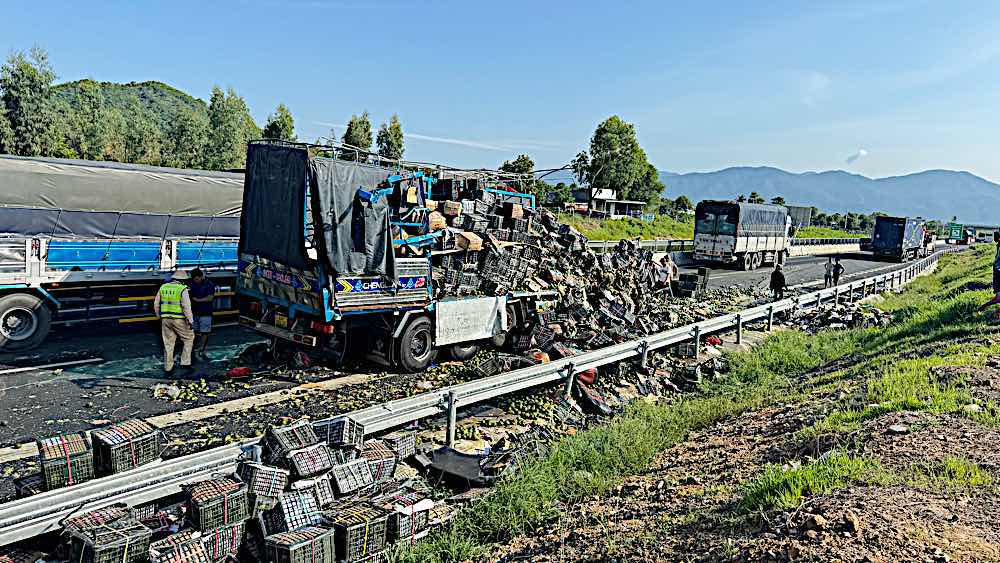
pixel 58 223
pixel 355 232
pixel 271 225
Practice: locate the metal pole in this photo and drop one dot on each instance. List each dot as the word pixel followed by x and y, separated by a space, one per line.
pixel 770 318
pixel 836 295
pixel 644 351
pixel 570 376
pixel 452 417
pixel 697 341
pixel 739 329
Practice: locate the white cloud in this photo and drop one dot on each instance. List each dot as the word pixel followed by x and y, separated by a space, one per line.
pixel 861 153
pixel 814 87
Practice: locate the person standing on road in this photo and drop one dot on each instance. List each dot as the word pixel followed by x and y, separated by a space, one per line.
pixel 666 273
pixel 996 264
pixel 203 305
pixel 838 270
pixel 828 273
pixel 173 307
pixel 778 283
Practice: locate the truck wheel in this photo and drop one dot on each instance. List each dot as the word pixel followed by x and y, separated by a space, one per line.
pixel 24 322
pixel 758 259
pixel 746 262
pixel 416 345
pixel 462 352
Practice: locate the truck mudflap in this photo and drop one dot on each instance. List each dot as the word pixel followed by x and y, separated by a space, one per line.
pixel 469 319
pixel 283 333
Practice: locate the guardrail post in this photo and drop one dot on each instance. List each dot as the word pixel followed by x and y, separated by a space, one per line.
pixel 770 317
pixel 836 295
pixel 452 418
pixel 644 354
pixel 570 376
pixel 739 328
pixel 697 341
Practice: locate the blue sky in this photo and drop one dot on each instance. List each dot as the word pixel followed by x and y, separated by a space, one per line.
pixel 794 84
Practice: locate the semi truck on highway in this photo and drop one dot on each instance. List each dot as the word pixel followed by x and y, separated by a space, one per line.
pixel 899 238
pixel 84 241
pixel 335 257
pixel 746 234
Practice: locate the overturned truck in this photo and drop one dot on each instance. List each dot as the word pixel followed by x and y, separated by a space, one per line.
pixel 340 252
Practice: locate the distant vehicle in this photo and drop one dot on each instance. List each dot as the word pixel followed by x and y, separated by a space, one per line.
pixel 747 234
pixel 85 241
pixel 900 238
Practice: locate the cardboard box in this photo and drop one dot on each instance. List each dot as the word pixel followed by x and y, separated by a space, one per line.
pixel 436 221
pixel 431 205
pixel 469 241
pixel 413 194
pixel 452 208
pixel 513 210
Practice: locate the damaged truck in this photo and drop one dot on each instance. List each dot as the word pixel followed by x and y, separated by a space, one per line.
pixel 900 238
pixel 338 251
pixel 745 234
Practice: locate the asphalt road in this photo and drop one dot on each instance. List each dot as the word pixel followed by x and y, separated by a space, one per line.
pixel 47 401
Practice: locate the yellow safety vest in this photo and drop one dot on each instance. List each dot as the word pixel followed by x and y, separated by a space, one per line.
pixel 170 300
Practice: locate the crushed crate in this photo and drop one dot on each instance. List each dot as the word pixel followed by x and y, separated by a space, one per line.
pixel 218 502
pixel 222 543
pixel 402 442
pixel 182 547
pixel 29 485
pixel 263 480
pixel 308 545
pixel 312 460
pixel 377 557
pixel 320 487
pixel 295 510
pixel 360 529
pixel 124 446
pixel 96 518
pixel 408 517
pixel 16 555
pixel 351 477
pixel 65 460
pixel 279 440
pixel 341 431
pixel 121 541
pixel 381 460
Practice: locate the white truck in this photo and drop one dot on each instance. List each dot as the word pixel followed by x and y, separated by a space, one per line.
pixel 747 234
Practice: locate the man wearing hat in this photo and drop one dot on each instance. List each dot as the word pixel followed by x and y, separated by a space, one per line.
pixel 173 307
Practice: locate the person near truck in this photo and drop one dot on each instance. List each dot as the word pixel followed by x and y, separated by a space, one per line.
pixel 666 273
pixel 778 283
pixel 172 305
pixel 203 305
pixel 828 273
pixel 837 271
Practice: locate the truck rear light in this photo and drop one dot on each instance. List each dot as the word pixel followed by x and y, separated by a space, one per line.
pixel 255 307
pixel 321 327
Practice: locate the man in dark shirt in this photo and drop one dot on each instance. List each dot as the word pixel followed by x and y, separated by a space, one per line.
pixel 838 270
pixel 202 292
pixel 778 283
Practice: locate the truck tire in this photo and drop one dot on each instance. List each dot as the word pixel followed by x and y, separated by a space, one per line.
pixel 746 262
pixel 462 352
pixel 24 322
pixel 758 259
pixel 415 348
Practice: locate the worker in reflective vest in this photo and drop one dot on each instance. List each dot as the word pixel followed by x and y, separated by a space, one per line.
pixel 173 307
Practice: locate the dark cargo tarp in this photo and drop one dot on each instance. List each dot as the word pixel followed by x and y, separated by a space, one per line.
pixel 273 204
pixel 356 233
pixel 82 199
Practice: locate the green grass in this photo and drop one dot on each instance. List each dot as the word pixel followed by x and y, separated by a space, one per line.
pixel 662 227
pixel 951 473
pixel 825 232
pixel 780 487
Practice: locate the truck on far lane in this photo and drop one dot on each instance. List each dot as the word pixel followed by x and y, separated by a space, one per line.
pixel 746 234
pixel 899 238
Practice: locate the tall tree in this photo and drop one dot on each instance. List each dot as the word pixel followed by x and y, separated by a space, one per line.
pixel 683 204
pixel 6 134
pixel 755 198
pixel 359 132
pixel 86 122
pixel 616 161
pixel 390 139
pixel 143 139
pixel 280 125
pixel 741 198
pixel 230 127
pixel 778 200
pixel 186 140
pixel 520 165
pixel 25 97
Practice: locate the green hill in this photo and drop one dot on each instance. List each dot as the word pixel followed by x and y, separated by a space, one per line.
pixel 159 101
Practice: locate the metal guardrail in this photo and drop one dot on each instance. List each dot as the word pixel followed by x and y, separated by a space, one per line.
pixel 39 514
pixel 685 245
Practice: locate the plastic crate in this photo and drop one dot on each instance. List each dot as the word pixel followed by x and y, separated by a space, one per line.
pixel 311 461
pixel 15 555
pixel 29 485
pixel 295 510
pixel 308 545
pixel 122 541
pixel 381 460
pixel 279 440
pixel 218 502
pixel 65 460
pixel 341 431
pixel 319 487
pixel 125 446
pixel 402 442
pixel 97 518
pixel 182 547
pixel 263 480
pixel 406 520
pixel 377 557
pixel 225 542
pixel 351 477
pixel 360 529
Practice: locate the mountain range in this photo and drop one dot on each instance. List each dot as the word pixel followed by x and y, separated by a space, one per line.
pixel 933 194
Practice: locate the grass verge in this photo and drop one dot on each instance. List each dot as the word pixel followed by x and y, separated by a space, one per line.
pixel 781 487
pixel 662 227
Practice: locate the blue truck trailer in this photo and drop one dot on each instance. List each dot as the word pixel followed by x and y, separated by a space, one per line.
pixel 899 238
pixel 84 241
pixel 337 254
